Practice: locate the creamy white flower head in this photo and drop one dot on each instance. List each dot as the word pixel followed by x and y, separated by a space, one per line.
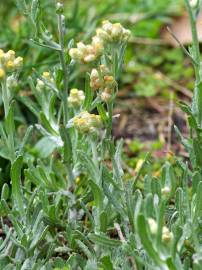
pixel 18 62
pixel 153 226
pixel 96 40
pixel 94 74
pixel 105 97
pixel 117 30
pixel 75 53
pixel 102 34
pixel 76 97
pixel 107 26
pixel 89 58
pixel 193 3
pixel 166 234
pixel 81 46
pixel 165 191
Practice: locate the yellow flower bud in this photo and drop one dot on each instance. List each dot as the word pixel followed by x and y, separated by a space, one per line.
pixel 109 80
pixel 81 124
pixel 10 65
pixel 46 75
pixel 11 55
pixel 117 30
pixel 18 62
pixel 2 74
pixel 76 97
pixel 76 53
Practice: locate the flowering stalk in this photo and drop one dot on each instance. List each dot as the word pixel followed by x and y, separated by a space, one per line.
pixel 64 67
pixel 10 129
pixel 5 97
pixel 8 64
pixel 197 100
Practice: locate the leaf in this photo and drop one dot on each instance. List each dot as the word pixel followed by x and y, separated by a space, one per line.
pixel 198 206
pixel 130 206
pixel 29 104
pixel 47 124
pixel 5 192
pixel 88 94
pixel 34 10
pixel 9 122
pixel 89 165
pixel 45 147
pixel 197 152
pixel 52 46
pixel 104 241
pixel 117 166
pixel 102 113
pixel 146 242
pixel 16 184
pixel 39 236
pixel 84 248
pixel 97 193
pixel 64 132
pixel 198 92
pixel 25 140
pixel 21 4
pixel 103 221
pixel 106 263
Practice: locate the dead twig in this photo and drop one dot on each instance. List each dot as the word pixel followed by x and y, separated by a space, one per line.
pixel 123 240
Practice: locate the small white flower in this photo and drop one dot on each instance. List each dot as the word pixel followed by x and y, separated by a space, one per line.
pixel 166 235
pixel 165 191
pixel 153 226
pixel 193 3
pixel 89 58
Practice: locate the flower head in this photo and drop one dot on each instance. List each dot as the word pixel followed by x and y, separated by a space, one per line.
pixel 86 122
pixel 76 97
pixel 167 236
pixel 9 63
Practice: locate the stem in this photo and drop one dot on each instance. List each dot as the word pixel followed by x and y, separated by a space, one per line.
pixel 95 158
pixel 196 50
pixel 65 88
pixel 10 125
pixel 5 98
pixel 197 100
pixel 64 68
pixel 110 112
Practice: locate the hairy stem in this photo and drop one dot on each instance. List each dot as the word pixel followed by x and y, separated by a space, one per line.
pixel 64 68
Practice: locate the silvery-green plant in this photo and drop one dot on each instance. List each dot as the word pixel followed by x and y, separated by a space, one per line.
pixel 68 205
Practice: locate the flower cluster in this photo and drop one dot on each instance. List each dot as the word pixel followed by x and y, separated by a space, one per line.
pixel 86 122
pixel 108 33
pixel 9 63
pixel 102 80
pixel 87 53
pixel 46 76
pixel 166 234
pixel 76 98
pixel 113 32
